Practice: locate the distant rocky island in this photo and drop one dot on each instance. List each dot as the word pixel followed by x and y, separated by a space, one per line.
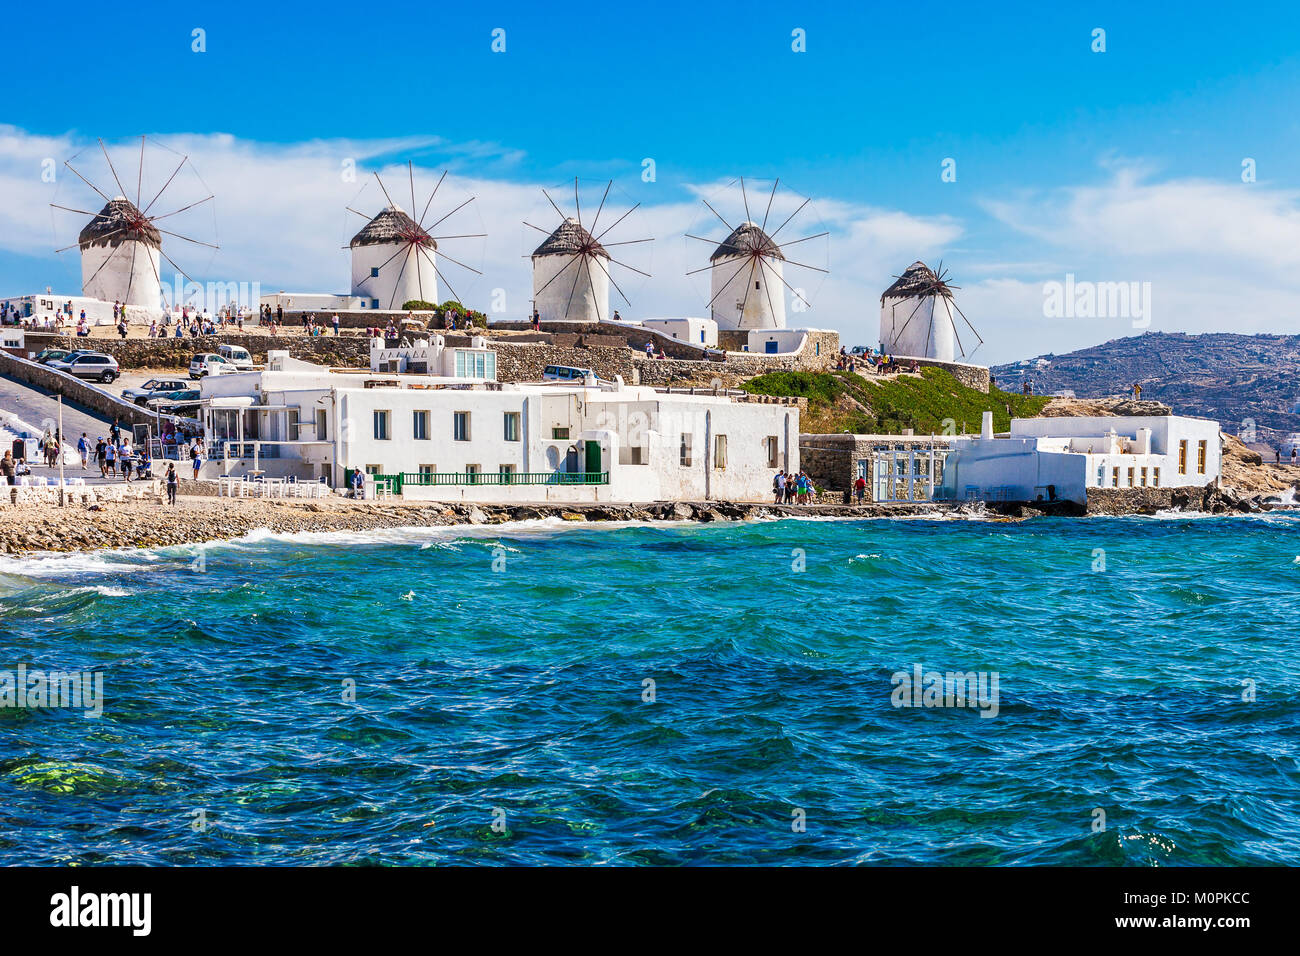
pixel 1236 379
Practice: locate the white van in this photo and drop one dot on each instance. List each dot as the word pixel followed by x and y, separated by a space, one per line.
pixel 237 356
pixel 564 373
pixel 208 363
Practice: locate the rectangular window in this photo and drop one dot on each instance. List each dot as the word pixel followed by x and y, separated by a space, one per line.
pixel 293 424
pixel 773 451
pixel 381 426
pixel 374 469
pixel 1114 477
pixel 1182 457
pixel 507 474
pixel 420 425
pixel 561 434
pixel 428 469
pixel 473 471
pixel 460 364
pixel 686 450
pixel 321 419
pixel 1130 477
pixel 374 272
pixel 719 451
pixel 1202 450
pixel 512 426
pixel 460 426
pixel 1155 477
pixel 1144 477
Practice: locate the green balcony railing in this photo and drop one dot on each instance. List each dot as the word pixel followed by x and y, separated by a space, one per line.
pixel 420 478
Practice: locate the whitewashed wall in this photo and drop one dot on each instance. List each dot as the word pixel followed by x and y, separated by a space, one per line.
pixel 728 293
pixel 918 327
pixel 394 284
pixel 586 281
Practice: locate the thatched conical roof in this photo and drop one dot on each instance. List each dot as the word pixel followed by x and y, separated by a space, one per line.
pixel 917 281
pixel 570 238
pixel 746 239
pixel 392 225
pixel 118 222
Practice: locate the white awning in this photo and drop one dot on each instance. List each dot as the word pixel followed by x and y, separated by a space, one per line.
pixel 244 401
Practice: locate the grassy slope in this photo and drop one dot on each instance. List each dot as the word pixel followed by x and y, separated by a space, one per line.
pixel 845 401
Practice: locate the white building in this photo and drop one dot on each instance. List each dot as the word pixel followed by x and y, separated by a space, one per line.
pixel 471 439
pixel 571 276
pixel 918 317
pixel 431 356
pixel 696 331
pixel 1062 458
pixel 747 290
pixel 120 256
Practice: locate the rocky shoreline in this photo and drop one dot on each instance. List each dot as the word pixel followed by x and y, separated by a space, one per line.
pixel 31 529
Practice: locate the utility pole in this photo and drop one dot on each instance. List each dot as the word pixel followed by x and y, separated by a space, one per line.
pixel 59 446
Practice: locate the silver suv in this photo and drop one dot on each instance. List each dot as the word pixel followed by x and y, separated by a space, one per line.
pixel 93 365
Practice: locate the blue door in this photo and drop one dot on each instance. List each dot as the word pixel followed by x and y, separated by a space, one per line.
pixel 770 348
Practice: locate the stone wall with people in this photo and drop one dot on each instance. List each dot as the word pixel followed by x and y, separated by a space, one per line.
pixel 175 354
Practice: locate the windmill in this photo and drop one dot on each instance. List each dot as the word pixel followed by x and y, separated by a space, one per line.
pixel 395 257
pixel 916 316
pixel 571 268
pixel 122 245
pixel 747 267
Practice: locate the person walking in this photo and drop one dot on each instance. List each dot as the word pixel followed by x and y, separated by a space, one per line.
pixel 83 449
pixel 110 459
pixel 196 457
pixel 8 469
pixel 860 488
pixel 172 482
pixel 778 487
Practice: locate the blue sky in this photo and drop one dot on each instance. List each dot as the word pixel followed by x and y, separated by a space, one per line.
pixel 1117 166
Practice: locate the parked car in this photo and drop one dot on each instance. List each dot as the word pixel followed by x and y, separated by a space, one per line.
pixel 564 373
pixel 208 363
pixel 236 356
pixel 172 398
pixel 154 388
pixel 46 356
pixel 93 365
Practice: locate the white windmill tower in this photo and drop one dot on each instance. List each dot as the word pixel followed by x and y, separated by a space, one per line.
pixel 918 316
pixel 395 258
pixel 571 268
pixel 747 271
pixel 120 256
pixel 121 246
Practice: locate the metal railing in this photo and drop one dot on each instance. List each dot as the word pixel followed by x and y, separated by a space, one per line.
pixel 425 479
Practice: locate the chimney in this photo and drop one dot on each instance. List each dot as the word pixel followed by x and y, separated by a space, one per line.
pixel 986 425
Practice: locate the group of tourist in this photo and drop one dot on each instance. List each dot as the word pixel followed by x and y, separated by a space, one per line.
pixel 795 488
pixel 876 363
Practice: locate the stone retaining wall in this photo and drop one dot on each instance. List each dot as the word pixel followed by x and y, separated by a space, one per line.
pixel 1127 501
pixel 74 389
pixel 348 350
pixel 972 376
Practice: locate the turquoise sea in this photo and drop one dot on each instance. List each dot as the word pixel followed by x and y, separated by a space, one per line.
pixel 665 694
